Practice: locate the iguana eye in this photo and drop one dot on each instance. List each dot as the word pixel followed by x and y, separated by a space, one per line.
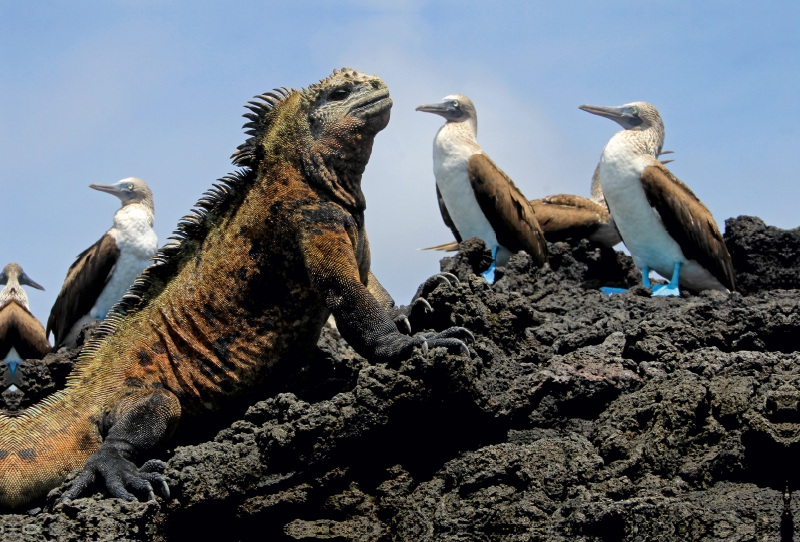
pixel 338 95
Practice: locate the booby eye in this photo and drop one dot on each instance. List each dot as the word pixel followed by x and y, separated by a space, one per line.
pixel 635 110
pixel 455 103
pixel 130 186
pixel 338 95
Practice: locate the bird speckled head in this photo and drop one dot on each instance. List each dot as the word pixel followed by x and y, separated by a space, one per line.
pixel 454 108
pixel 633 116
pixel 130 190
pixel 641 121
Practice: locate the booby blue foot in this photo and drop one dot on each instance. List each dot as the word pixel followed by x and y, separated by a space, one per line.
pixel 608 290
pixel 12 366
pixel 489 273
pixel 671 289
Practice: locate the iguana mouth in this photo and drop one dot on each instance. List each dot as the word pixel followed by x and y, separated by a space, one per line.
pixel 372 104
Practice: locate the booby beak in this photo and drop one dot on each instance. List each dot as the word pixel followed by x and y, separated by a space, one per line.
pixel 444 109
pixel 26 281
pixel 108 188
pixel 622 115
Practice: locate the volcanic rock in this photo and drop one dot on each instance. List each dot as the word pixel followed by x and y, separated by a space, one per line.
pixel 577 417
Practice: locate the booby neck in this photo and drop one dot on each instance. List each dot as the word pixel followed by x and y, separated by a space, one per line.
pixel 454 136
pixel 138 213
pixel 648 141
pixel 133 226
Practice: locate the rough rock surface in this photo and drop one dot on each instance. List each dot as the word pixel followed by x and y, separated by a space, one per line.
pixel 578 417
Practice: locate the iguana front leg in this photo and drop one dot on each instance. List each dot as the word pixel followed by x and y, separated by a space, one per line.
pixel 140 420
pixel 360 318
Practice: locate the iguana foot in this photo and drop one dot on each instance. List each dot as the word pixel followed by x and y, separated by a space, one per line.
pixel 401 314
pixel 120 476
pixel 449 338
pixel 429 285
pixel 398 346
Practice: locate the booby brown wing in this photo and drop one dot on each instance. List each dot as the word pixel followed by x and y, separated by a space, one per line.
pixel 446 217
pixel 85 281
pixel 20 330
pixel 564 216
pixel 689 222
pixel 511 216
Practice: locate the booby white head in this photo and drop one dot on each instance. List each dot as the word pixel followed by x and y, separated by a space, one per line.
pixel 476 198
pixel 456 109
pixel 130 191
pixel 22 336
pixel 663 224
pixel 103 273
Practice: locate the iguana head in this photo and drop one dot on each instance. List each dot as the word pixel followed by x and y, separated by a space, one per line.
pixel 325 130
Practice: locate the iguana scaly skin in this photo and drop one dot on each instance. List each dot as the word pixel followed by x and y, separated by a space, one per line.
pixel 250 281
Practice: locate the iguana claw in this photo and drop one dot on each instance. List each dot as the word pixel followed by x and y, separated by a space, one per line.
pixel 404 319
pixel 450 338
pixel 401 313
pixel 449 278
pixel 424 303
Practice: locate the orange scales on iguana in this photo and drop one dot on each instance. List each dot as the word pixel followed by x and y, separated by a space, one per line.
pixel 269 254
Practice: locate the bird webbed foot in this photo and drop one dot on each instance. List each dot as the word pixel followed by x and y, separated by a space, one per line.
pixel 666 290
pixel 608 290
pixel 671 289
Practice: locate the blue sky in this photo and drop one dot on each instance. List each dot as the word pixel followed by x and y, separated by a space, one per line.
pixel 92 92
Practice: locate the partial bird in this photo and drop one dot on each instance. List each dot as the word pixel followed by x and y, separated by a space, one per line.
pixel 476 198
pixel 103 272
pixel 664 225
pixel 22 336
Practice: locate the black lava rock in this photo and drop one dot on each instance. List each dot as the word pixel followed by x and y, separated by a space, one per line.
pixel 578 417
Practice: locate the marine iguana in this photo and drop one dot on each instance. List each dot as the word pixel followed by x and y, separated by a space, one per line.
pixel 251 278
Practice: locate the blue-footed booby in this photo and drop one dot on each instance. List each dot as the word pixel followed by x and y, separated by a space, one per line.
pixel 22 336
pixel 103 272
pixel 664 225
pixel 476 198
